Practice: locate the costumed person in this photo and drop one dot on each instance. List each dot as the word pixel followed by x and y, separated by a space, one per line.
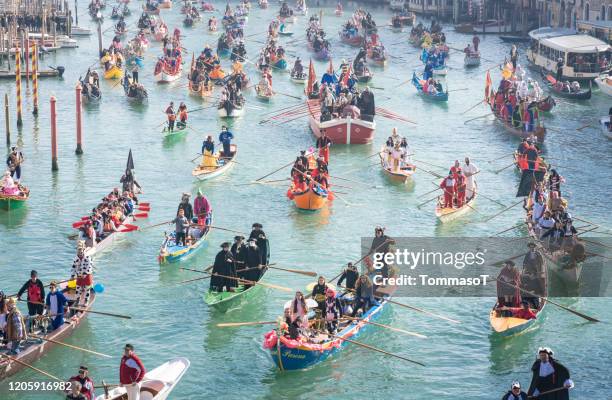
pixel 461 187
pixel 171 116
pixel 8 186
pixel 14 161
pixel 87 384
pixel 332 311
pixel 131 372
pixel 209 160
pixel 224 265
pixel 202 209
pixel 469 170
pixel 15 330
pixel 449 186
pixel 253 261
pixel 185 205
pixel 181 227
pixel 239 253
pixel 508 295
pixel 182 115
pixel 225 137
pixel 35 296
pixel 323 144
pixel 380 246
pixel 55 305
pixel 351 275
pixel 129 183
pixel 82 271
pixel 259 235
pixel 298 311
pixel 549 374
pixel 364 295
pixel 318 293
pixel 515 392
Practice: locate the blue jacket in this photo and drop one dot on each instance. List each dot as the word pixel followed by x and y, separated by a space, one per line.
pixel 226 137
pixel 61 303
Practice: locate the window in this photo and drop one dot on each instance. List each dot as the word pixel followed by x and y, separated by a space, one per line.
pixel 587 11
pixel 602 15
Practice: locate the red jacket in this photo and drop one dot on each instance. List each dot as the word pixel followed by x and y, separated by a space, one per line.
pixel 449 188
pixel 87 386
pixel 131 370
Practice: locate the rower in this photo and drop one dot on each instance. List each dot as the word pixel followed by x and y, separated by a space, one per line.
pixel 185 205
pixel 82 271
pixel 469 170
pixel 351 275
pixel 239 251
pixel 182 114
pixel 171 116
pixel 129 183
pixel 323 143
pixel 259 235
pixel 515 392
pixel 253 261
pixel 35 296
pixel 131 372
pixel 201 209
pixel 209 160
pixel 508 296
pixel 225 137
pixel 87 384
pixel 380 245
pixel 54 305
pixel 14 161
pixel 449 186
pixel 461 187
pixel 364 296
pixel 332 311
pixel 549 374
pixel 224 265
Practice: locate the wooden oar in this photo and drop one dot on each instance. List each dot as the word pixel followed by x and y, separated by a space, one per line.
pixel 193 280
pixel 431 191
pixel 363 258
pixel 367 346
pixel 225 229
pixel 547 392
pixel 424 311
pixel 504 210
pixel 40 371
pixel 428 201
pixel 235 324
pixel 433 165
pixel 499 158
pixel 278 169
pixel 591 319
pixel 431 172
pixel 387 327
pixel 482 116
pixel 71 346
pixel 473 107
pixel 510 229
pixel 156 225
pixel 295 271
pixel 286 289
pixel 101 313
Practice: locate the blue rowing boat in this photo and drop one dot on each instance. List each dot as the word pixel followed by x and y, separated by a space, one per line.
pixel 290 354
pixel 418 84
pixel 171 252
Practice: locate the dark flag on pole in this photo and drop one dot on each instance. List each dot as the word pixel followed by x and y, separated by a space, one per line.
pixel 130 163
pixel 529 179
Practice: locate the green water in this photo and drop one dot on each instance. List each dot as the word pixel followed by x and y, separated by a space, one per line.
pixel 172 320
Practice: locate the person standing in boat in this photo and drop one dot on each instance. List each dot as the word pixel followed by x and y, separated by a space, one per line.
pixel 323 144
pixel 380 244
pixel 239 251
pixel 224 265
pixel 533 267
pixel 36 296
pixel 131 372
pixel 208 154
pixel 82 271
pixel 171 116
pixel 476 42
pixel 333 311
pixel 469 170
pixel 364 295
pixel 15 330
pixel 508 295
pixel 56 304
pixel 182 115
pixel 87 384
pixel 14 161
pixel 559 74
pixel 259 235
pixel 514 56
pixel 201 209
pixel 351 275
pixel 549 374
pixel 225 138
pixel 461 187
pixel 253 261
pixel 185 205
pixel 515 392
pixel 181 228
pixel 449 186
pixel 129 183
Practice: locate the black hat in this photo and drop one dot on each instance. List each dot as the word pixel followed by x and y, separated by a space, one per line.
pixel 33 273
pixel 128 347
pixel 84 368
pixel 225 244
pixel 531 244
pixel 238 237
pixel 257 225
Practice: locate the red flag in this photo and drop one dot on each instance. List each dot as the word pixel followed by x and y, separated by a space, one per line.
pixel 488 84
pixel 312 77
pixel 345 78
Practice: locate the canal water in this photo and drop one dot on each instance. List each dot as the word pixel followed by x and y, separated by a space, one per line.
pixel 172 320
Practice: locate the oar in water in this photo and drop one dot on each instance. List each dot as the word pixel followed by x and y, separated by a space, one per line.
pixel 236 324
pixel 428 201
pixel 367 346
pixel 70 346
pixel 388 241
pixel 581 315
pixel 499 158
pixel 504 210
pixel 226 229
pixel 482 116
pixel 509 229
pixel 430 164
pixel 155 225
pixel 85 310
pixel 40 371
pixel 278 169
pixel 387 327
pixel 286 289
pixel 473 107
pixel 424 311
pixel 295 271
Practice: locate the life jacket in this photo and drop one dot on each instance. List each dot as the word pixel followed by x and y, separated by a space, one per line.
pixel 34 293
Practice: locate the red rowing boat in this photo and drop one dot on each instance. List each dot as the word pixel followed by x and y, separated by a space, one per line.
pixel 340 130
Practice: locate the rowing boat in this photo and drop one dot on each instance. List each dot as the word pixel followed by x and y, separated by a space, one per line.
pixel 298 78
pixel 35 349
pixel 164 74
pixel 447 214
pixel 539 132
pixel 229 109
pixel 223 165
pixel 225 301
pixel 581 94
pixel 418 84
pixel 604 123
pixel 604 82
pixel 12 201
pixel 347 130
pixel 505 325
pixel 471 59
pixel 114 72
pixel 313 198
pixel 171 252
pixel 296 354
pixel 157 383
pixel 352 40
pixel 263 93
pixel 402 174
pixel 179 129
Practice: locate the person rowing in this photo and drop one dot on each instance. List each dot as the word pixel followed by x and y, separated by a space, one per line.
pixel 182 115
pixel 171 115
pixel 549 374
pixel 209 159
pixel 225 138
pixel 224 265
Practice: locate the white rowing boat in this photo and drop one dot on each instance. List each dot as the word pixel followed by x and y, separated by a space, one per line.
pixel 157 383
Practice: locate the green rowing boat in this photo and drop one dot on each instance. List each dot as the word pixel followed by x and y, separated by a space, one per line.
pixel 178 130
pixel 224 301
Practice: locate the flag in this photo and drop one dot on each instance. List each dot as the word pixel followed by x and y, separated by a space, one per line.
pixel 312 77
pixel 529 179
pixel 345 78
pixel 488 84
pixel 130 163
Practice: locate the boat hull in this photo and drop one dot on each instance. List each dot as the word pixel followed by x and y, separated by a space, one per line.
pixel 310 200
pixel 12 202
pixel 109 240
pixel 450 214
pixel 604 84
pixel 114 72
pixel 205 173
pixel 165 77
pixel 341 130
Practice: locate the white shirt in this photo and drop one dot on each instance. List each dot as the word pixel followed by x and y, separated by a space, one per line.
pixel 546 369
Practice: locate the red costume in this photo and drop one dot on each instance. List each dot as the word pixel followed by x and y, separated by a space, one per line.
pixel 525 314
pixel 461 185
pixel 87 386
pixel 449 186
pixel 131 370
pixel 323 144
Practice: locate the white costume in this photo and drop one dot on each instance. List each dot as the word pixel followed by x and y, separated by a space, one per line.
pixel 469 170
